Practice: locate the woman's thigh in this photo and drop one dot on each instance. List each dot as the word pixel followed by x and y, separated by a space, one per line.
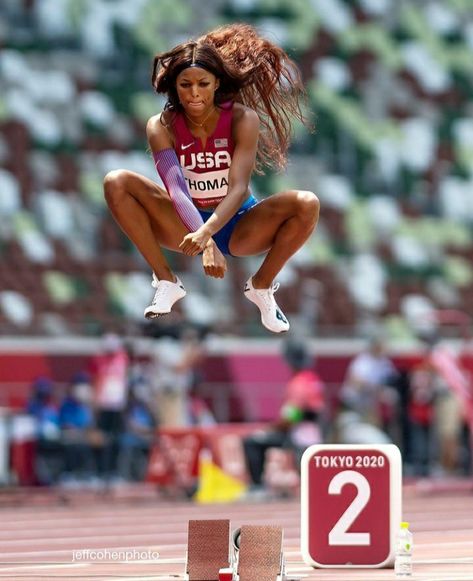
pixel 255 231
pixel 167 227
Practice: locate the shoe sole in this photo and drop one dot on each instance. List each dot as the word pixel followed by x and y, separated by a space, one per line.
pixel 273 331
pixel 152 315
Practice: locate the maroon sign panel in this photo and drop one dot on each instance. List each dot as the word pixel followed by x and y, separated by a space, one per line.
pixel 351 498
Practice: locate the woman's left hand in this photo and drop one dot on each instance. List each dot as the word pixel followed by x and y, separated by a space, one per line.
pixel 195 242
pixel 214 261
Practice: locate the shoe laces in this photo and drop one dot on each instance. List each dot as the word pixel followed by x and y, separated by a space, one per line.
pixel 267 295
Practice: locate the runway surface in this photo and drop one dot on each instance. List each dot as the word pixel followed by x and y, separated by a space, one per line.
pixel 46 539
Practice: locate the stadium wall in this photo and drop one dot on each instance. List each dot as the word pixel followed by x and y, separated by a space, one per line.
pixel 245 379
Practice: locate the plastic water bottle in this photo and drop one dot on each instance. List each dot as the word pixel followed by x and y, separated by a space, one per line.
pixel 403 560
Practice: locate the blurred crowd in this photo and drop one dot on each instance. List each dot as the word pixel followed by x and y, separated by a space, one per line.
pixel 426 410
pixel 101 428
pixel 390 93
pixel 423 409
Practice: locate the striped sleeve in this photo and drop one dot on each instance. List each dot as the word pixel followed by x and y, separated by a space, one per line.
pixel 169 170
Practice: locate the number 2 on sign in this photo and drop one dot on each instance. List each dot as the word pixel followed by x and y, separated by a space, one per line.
pixel 339 535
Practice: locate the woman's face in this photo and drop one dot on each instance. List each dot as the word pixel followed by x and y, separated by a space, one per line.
pixel 196 89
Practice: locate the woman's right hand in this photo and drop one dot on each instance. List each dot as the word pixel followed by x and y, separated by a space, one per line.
pixel 213 261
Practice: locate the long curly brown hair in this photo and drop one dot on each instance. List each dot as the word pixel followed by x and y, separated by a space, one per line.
pixel 252 71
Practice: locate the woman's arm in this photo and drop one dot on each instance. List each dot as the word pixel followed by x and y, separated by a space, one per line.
pixel 168 168
pixel 246 132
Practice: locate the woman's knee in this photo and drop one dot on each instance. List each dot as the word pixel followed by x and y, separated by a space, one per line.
pixel 120 183
pixel 115 186
pixel 308 204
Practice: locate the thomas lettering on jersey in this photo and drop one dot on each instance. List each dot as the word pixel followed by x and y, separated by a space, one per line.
pixel 209 184
pixel 206 160
pixel 202 185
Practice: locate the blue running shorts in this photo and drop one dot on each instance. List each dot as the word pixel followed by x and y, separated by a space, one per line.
pixel 222 237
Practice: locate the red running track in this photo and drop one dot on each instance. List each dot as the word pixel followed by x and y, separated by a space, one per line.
pixel 42 540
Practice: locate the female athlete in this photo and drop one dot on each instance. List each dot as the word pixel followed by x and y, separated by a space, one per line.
pixel 231 99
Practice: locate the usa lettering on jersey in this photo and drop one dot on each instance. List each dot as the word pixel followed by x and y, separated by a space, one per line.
pixel 205 160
